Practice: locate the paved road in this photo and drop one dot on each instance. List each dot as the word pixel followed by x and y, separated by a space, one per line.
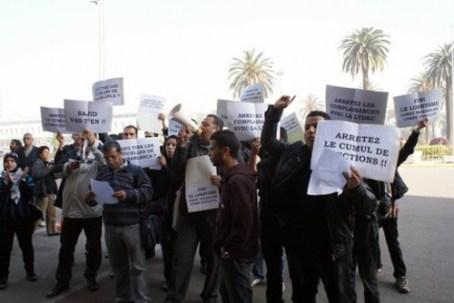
pixel 427 237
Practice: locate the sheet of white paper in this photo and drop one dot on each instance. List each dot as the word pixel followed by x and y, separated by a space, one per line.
pixel 201 194
pixel 293 128
pixel 53 119
pixel 246 119
pixel 327 176
pixel 412 108
pixel 143 152
pixel 110 90
pixel 103 192
pixel 253 93
pixel 96 116
pixel 174 127
pixel 372 149
pixel 356 105
pixel 147 115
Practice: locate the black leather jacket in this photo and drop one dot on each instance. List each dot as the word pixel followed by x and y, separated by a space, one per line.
pixel 294 162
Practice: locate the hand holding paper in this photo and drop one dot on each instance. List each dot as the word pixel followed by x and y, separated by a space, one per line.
pixel 103 192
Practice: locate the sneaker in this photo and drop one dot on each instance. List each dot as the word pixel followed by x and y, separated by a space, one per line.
pixel 257 281
pixel 402 285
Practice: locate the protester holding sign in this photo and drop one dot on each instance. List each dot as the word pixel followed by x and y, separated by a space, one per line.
pixel 194 228
pixel 132 188
pixel 397 190
pixel 81 162
pixel 317 228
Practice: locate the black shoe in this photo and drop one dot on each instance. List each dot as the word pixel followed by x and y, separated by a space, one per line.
pixel 3 283
pixel 58 289
pixel 32 277
pixel 92 285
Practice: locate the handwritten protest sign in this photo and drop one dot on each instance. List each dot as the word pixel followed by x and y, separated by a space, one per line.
pixel 221 110
pixel 293 128
pixel 356 105
pixel 53 119
pixel 372 149
pixel 201 194
pixel 143 152
pixel 245 119
pixel 253 93
pixel 147 115
pixel 412 108
pixel 110 90
pixel 174 127
pixel 96 116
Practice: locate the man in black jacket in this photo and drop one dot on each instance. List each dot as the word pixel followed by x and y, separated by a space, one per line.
pixel 318 231
pixel 236 222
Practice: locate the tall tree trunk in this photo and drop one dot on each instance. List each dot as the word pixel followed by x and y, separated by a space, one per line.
pixel 449 110
pixel 365 78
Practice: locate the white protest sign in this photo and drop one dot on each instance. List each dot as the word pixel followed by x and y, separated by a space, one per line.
pixel 356 105
pixel 147 115
pixel 245 119
pixel 143 152
pixel 372 149
pixel 412 108
pixel 253 93
pixel 221 110
pixel 53 119
pixel 293 128
pixel 96 116
pixel 201 194
pixel 110 90
pixel 174 127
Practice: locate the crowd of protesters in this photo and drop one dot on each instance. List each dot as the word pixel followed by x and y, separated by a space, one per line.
pixel 265 214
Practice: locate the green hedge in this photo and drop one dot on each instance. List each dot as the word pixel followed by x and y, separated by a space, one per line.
pixel 430 152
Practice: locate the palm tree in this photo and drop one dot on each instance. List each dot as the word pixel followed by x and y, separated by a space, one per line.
pixel 310 103
pixel 364 51
pixel 251 69
pixel 439 67
pixel 423 82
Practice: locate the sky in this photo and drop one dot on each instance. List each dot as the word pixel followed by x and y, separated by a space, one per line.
pixel 182 49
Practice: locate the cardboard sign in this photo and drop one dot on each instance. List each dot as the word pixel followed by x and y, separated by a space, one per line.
pixel 53 119
pixel 174 127
pixel 356 105
pixel 413 108
pixel 142 152
pixel 96 116
pixel 147 115
pixel 372 149
pixel 110 90
pixel 245 119
pixel 293 128
pixel 201 194
pixel 253 93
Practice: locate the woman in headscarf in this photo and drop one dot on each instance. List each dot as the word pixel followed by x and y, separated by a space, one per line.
pixel 17 216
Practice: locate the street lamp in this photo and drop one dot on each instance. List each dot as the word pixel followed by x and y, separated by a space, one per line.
pixel 100 11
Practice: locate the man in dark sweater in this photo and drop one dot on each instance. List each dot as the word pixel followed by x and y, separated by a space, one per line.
pixel 317 229
pixel 133 189
pixel 236 239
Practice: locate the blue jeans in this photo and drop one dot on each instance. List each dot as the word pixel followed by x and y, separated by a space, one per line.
pixel 235 282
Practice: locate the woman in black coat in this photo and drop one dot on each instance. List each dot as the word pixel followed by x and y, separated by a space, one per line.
pixel 17 216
